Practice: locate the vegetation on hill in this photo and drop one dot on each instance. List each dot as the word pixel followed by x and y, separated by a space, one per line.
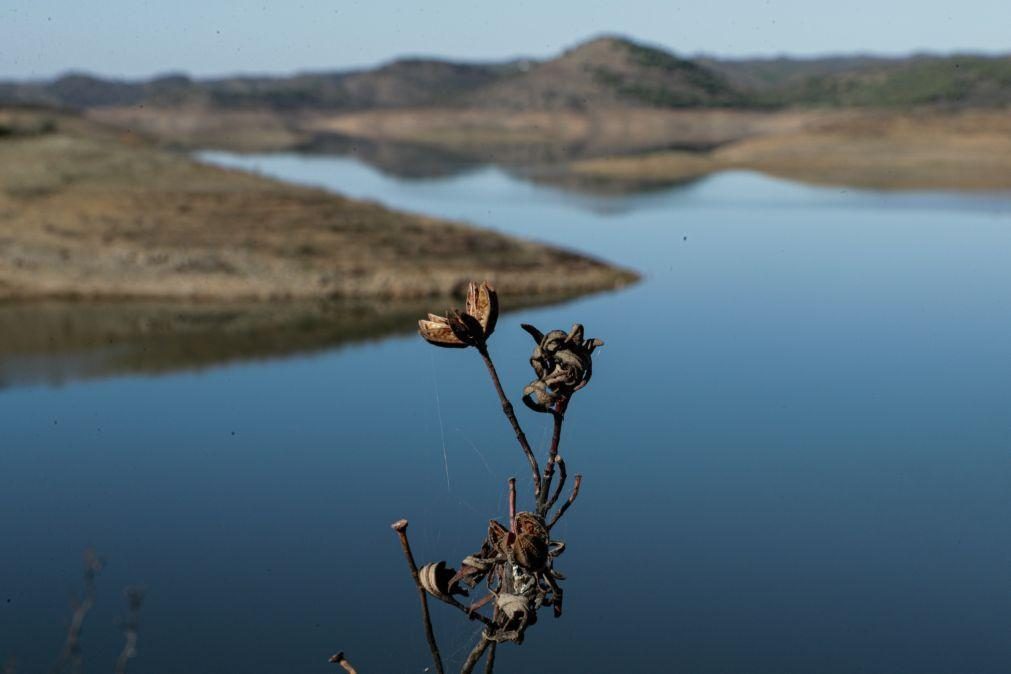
pixel 609 72
pixel 603 72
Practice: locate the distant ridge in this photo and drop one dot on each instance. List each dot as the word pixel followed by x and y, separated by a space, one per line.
pixel 608 71
pixel 611 71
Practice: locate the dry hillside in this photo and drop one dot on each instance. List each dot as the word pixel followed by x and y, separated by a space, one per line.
pixel 87 212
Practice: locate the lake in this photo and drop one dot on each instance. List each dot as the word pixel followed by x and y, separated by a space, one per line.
pixel 795 451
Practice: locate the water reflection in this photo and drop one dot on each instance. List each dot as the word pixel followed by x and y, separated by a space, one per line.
pixel 399 160
pixel 55 342
pixel 537 162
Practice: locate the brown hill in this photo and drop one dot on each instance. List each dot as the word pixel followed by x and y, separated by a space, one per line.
pixel 608 72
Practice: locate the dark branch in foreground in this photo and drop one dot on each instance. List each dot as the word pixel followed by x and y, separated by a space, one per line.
pixel 400 526
pixel 475 655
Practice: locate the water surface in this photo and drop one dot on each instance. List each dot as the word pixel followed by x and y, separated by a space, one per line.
pixel 795 449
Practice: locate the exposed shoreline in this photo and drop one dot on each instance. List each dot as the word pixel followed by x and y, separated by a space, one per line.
pixel 928 148
pixel 89 212
pixel 969 150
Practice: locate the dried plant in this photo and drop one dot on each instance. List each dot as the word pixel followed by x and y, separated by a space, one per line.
pixel 71 655
pixel 515 562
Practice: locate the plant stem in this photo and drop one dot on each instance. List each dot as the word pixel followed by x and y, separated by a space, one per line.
pixel 576 482
pixel 507 409
pixel 549 468
pixel 343 662
pixel 489 664
pixel 475 655
pixel 135 598
pixel 400 527
pixel 71 654
pixel 562 474
pixel 512 504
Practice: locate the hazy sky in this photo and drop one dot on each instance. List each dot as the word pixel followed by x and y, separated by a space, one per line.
pixel 39 38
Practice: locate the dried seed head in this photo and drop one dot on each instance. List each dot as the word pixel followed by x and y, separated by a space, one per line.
pixel 482 304
pixel 460 329
pixel 563 364
pixel 498 537
pixel 436 330
pixel 530 549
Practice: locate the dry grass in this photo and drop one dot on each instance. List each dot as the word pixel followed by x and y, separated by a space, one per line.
pixel 86 215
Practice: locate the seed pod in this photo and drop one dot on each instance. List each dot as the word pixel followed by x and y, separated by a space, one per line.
pixel 435 330
pixel 482 304
pixel 438 580
pixel 563 365
pixel 530 549
pixel 460 329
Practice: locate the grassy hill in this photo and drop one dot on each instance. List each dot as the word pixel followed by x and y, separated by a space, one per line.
pixel 604 72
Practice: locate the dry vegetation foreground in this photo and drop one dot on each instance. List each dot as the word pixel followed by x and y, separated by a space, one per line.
pixel 87 212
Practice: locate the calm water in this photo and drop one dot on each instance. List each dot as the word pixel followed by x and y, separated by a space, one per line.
pixel 795 448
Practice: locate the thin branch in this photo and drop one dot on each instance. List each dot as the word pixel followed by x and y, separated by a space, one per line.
pixel 549 468
pixel 512 504
pixel 562 474
pixel 134 599
pixel 400 527
pixel 475 655
pixel 576 482
pixel 339 659
pixel 489 664
pixel 469 611
pixel 71 653
pixel 507 409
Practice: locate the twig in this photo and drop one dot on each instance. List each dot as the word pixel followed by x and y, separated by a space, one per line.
pixel 562 474
pixel 578 480
pixel 343 662
pixel 134 598
pixel 400 526
pixel 475 655
pixel 549 468
pixel 72 647
pixel 512 504
pixel 489 664
pixel 507 409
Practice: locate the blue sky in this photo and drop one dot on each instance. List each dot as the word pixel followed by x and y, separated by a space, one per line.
pixel 134 38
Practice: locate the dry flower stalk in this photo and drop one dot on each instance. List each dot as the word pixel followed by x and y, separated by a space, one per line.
pixel 515 563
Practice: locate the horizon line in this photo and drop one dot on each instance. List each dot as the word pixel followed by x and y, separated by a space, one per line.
pixel 923 52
